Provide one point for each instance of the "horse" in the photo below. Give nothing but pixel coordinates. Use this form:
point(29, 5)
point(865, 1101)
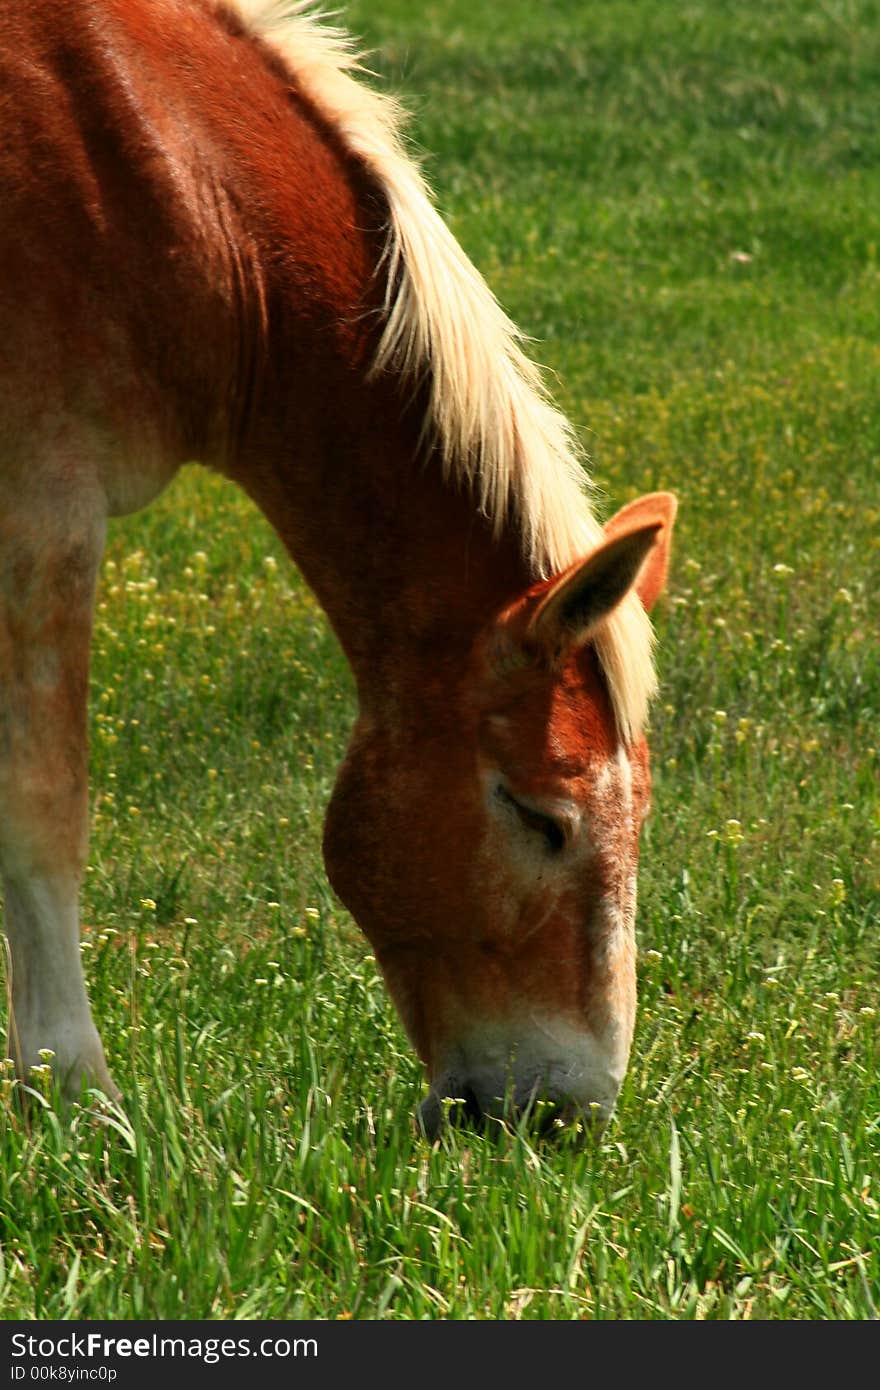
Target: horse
point(216, 246)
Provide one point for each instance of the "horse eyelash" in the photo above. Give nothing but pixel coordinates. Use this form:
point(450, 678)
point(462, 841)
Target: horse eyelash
point(546, 826)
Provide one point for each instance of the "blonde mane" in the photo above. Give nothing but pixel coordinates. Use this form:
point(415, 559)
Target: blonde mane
point(489, 412)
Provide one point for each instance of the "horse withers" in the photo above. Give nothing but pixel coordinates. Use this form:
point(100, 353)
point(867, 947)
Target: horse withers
point(214, 246)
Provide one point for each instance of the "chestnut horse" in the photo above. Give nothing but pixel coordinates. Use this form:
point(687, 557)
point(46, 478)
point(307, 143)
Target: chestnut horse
point(214, 246)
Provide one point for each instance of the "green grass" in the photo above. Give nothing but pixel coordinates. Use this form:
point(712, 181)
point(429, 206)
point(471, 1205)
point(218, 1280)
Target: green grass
point(682, 205)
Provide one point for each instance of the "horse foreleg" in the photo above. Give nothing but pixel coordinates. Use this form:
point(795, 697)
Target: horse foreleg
point(48, 571)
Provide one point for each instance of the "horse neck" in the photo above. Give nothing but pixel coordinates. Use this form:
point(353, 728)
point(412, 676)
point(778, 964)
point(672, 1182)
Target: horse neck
point(403, 563)
point(399, 559)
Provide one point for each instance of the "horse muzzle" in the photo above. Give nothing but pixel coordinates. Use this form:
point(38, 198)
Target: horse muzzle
point(535, 1109)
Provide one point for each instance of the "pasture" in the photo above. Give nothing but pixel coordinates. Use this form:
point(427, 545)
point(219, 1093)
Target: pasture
point(681, 206)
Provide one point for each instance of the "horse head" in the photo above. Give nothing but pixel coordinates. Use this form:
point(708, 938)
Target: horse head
point(486, 840)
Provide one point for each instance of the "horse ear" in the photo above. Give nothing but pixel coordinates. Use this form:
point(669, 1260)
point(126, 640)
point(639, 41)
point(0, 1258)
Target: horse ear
point(654, 506)
point(576, 602)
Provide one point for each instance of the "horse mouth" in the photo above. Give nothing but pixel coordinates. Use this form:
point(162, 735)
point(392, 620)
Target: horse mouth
point(540, 1117)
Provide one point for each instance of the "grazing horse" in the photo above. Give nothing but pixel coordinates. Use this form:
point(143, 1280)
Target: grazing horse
point(214, 246)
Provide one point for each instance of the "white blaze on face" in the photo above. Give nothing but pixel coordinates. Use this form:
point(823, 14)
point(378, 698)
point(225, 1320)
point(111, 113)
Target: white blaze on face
point(575, 1059)
point(612, 788)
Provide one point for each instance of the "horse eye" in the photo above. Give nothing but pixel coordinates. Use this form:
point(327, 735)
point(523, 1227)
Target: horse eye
point(535, 820)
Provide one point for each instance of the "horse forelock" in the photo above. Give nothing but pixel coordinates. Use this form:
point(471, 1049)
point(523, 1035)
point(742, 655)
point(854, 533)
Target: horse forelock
point(489, 416)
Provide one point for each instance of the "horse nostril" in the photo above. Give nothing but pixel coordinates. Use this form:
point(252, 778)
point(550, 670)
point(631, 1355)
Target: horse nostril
point(465, 1108)
point(429, 1117)
point(458, 1107)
